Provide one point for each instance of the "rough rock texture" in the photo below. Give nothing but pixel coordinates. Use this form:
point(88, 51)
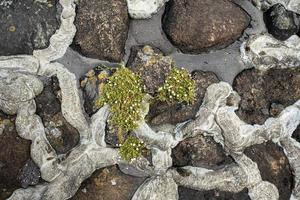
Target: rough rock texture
point(91, 84)
point(281, 23)
point(151, 66)
point(199, 151)
point(61, 135)
point(199, 25)
point(14, 152)
point(102, 27)
point(108, 184)
point(266, 94)
point(274, 167)
point(161, 113)
point(26, 25)
point(190, 194)
point(30, 174)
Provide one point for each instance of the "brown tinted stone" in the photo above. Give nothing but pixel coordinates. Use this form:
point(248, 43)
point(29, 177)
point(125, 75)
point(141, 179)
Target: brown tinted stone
point(199, 151)
point(274, 167)
point(151, 66)
point(161, 112)
point(108, 184)
point(266, 94)
point(102, 27)
point(14, 152)
point(199, 25)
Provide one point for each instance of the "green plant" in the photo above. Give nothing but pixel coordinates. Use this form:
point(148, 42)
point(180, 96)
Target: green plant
point(131, 149)
point(123, 93)
point(179, 87)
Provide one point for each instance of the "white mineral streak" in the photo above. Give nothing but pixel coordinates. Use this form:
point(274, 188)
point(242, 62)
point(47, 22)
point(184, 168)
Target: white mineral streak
point(292, 5)
point(239, 135)
point(143, 9)
point(63, 37)
point(161, 140)
point(292, 151)
point(264, 51)
point(20, 62)
point(157, 188)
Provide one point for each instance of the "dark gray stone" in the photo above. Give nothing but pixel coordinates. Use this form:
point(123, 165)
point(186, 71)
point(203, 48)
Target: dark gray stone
point(26, 25)
point(30, 174)
point(281, 23)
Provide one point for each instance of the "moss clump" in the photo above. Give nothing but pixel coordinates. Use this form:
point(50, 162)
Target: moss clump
point(131, 149)
point(179, 87)
point(123, 93)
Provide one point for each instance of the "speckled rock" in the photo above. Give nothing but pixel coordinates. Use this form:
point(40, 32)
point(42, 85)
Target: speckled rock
point(161, 113)
point(30, 174)
point(102, 27)
point(274, 167)
point(151, 66)
point(61, 135)
point(14, 152)
point(108, 184)
point(190, 194)
point(200, 151)
point(91, 84)
point(265, 94)
point(26, 25)
point(195, 26)
point(281, 23)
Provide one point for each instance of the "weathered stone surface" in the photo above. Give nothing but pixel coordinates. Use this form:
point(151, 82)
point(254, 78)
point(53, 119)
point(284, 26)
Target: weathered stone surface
point(30, 174)
point(151, 66)
point(281, 23)
point(102, 28)
point(14, 152)
point(26, 25)
point(108, 183)
point(61, 135)
point(274, 167)
point(265, 94)
point(195, 26)
point(190, 194)
point(161, 113)
point(91, 84)
point(199, 151)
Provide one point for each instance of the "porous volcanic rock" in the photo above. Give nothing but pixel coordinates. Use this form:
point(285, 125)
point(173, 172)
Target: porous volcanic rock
point(61, 135)
point(161, 112)
point(281, 23)
point(274, 167)
point(195, 26)
point(102, 27)
point(26, 25)
point(150, 64)
point(265, 94)
point(108, 184)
